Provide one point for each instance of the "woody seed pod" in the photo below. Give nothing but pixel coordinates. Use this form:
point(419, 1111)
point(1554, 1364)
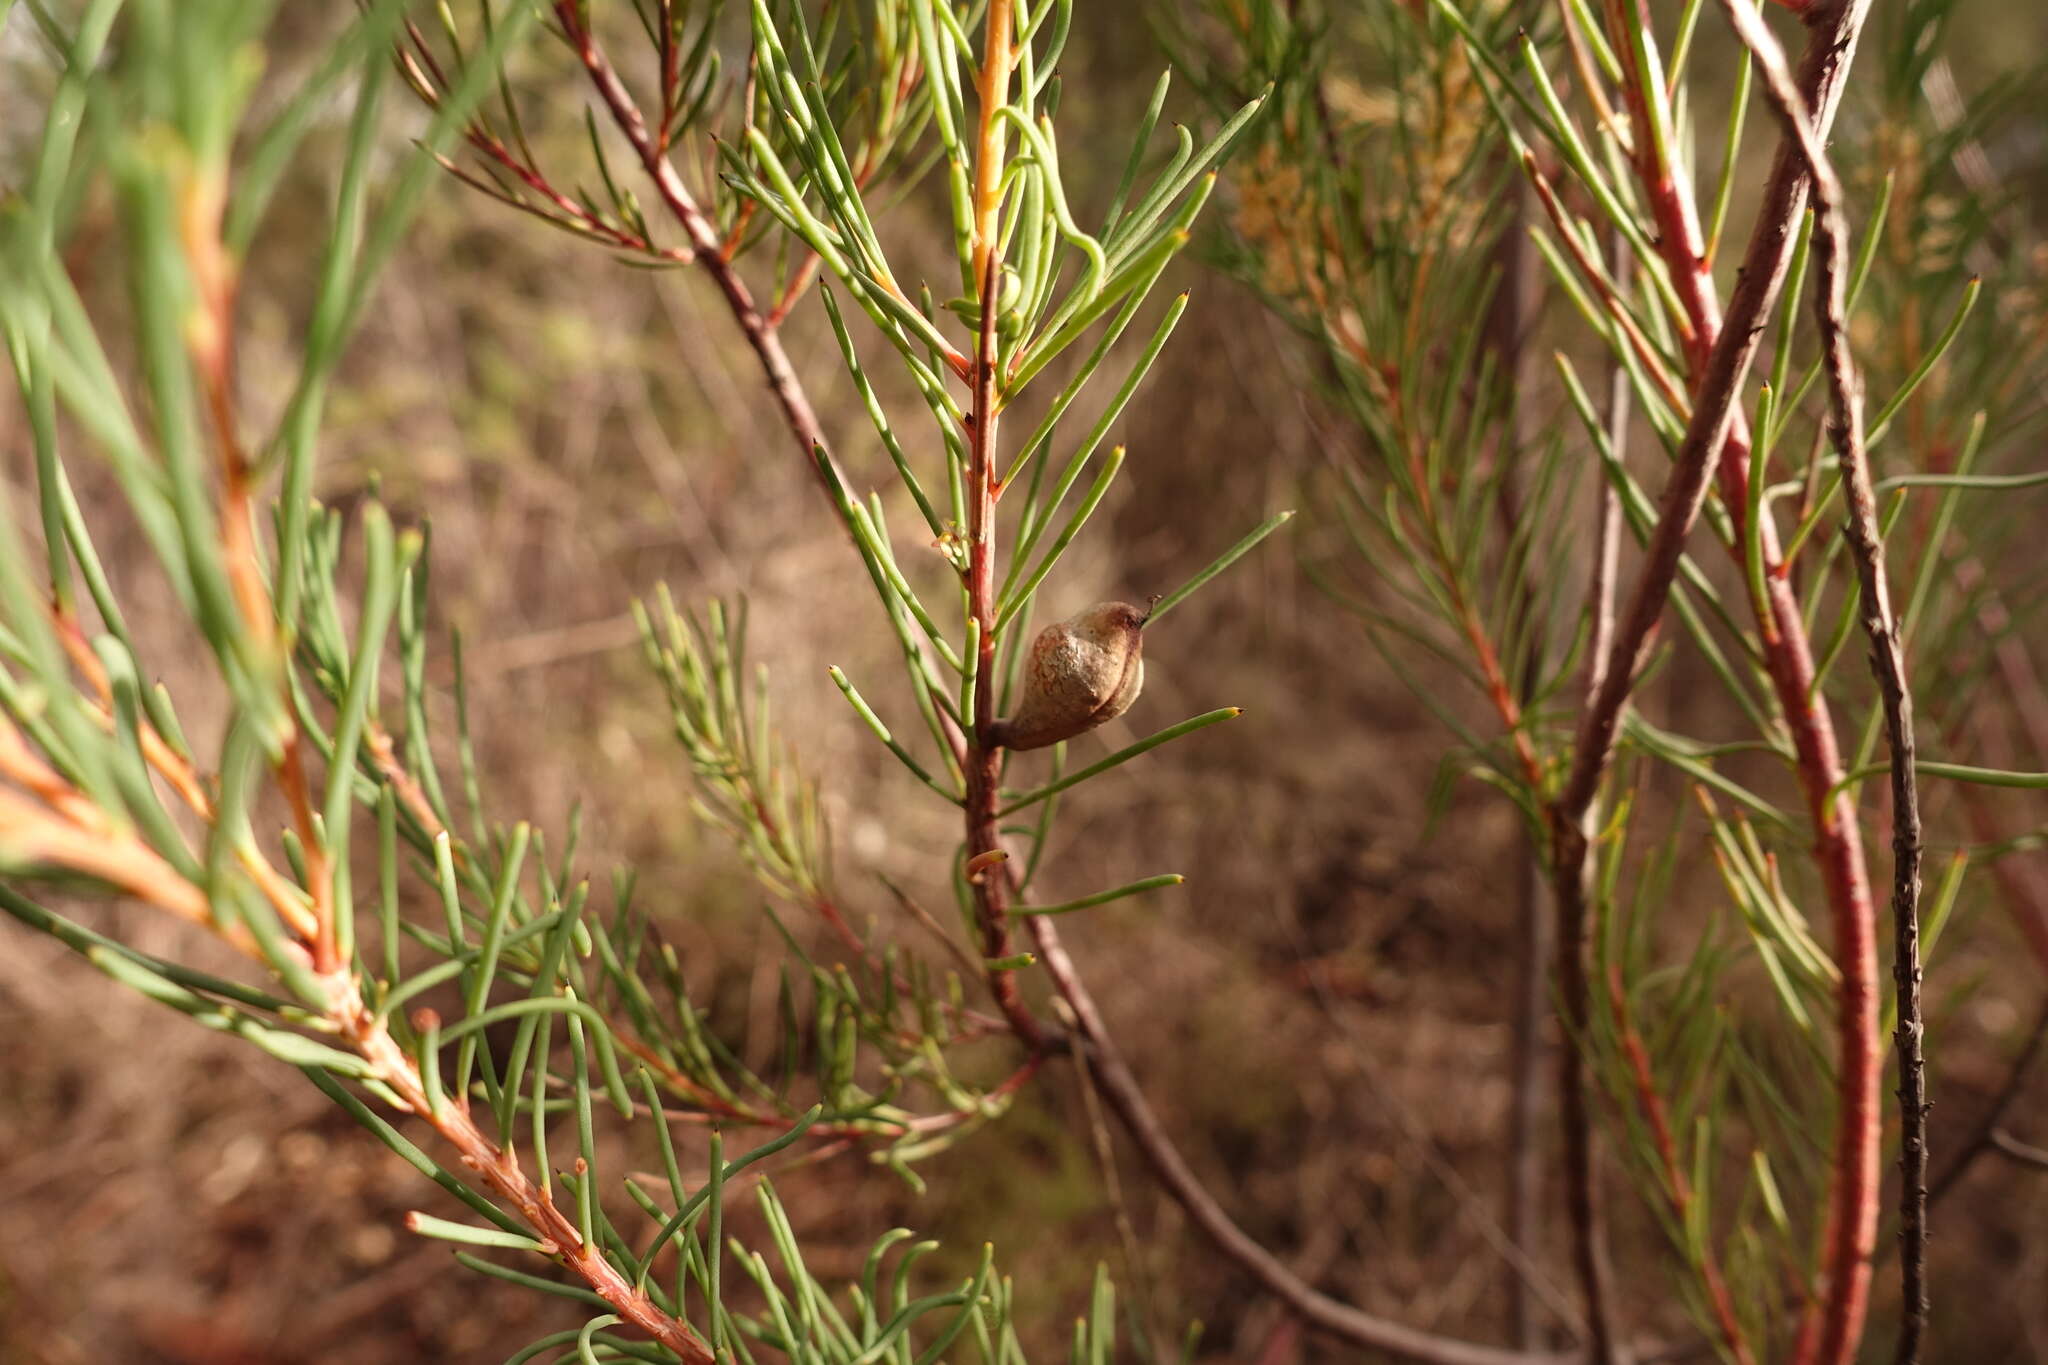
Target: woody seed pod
point(1079, 673)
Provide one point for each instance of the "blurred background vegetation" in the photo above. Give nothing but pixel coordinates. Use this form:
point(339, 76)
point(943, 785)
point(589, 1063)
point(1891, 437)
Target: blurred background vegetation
point(1324, 1012)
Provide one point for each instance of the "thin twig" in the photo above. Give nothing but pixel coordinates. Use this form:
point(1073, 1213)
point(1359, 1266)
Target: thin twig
point(761, 336)
point(1120, 1089)
point(1573, 945)
point(1982, 1139)
point(1716, 441)
point(1678, 1190)
point(2026, 1153)
point(1887, 661)
point(984, 767)
point(210, 339)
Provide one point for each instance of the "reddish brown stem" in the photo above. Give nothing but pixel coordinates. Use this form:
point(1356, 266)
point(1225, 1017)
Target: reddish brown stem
point(1678, 1190)
point(210, 340)
point(500, 1171)
point(1716, 443)
point(984, 766)
point(762, 337)
point(1888, 662)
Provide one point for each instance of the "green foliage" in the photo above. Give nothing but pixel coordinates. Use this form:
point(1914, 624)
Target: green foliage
point(406, 967)
point(1058, 284)
point(1413, 180)
point(1424, 186)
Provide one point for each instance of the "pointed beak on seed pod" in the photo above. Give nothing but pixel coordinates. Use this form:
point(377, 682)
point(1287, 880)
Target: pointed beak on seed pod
point(1081, 672)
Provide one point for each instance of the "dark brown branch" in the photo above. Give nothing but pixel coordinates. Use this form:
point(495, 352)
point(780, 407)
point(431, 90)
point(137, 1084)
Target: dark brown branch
point(1517, 307)
point(1887, 655)
point(1119, 1087)
point(2026, 1153)
point(1723, 349)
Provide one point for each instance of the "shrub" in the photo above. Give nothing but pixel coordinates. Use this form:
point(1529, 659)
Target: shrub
point(1412, 184)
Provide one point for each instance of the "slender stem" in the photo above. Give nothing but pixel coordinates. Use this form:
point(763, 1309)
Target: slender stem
point(761, 335)
point(1573, 936)
point(499, 1168)
point(984, 765)
point(1717, 442)
point(1678, 1190)
point(997, 59)
point(1114, 1080)
point(211, 342)
point(1887, 660)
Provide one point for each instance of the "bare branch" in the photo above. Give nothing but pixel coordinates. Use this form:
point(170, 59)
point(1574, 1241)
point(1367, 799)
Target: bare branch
point(761, 335)
point(1119, 1087)
point(1723, 348)
point(1887, 661)
point(2026, 1153)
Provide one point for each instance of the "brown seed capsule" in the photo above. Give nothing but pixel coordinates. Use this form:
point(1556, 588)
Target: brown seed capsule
point(1079, 673)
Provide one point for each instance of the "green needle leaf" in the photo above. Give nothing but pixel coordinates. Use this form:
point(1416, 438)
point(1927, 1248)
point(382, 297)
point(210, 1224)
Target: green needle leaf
point(1223, 561)
point(1102, 897)
point(1122, 756)
point(426, 1225)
